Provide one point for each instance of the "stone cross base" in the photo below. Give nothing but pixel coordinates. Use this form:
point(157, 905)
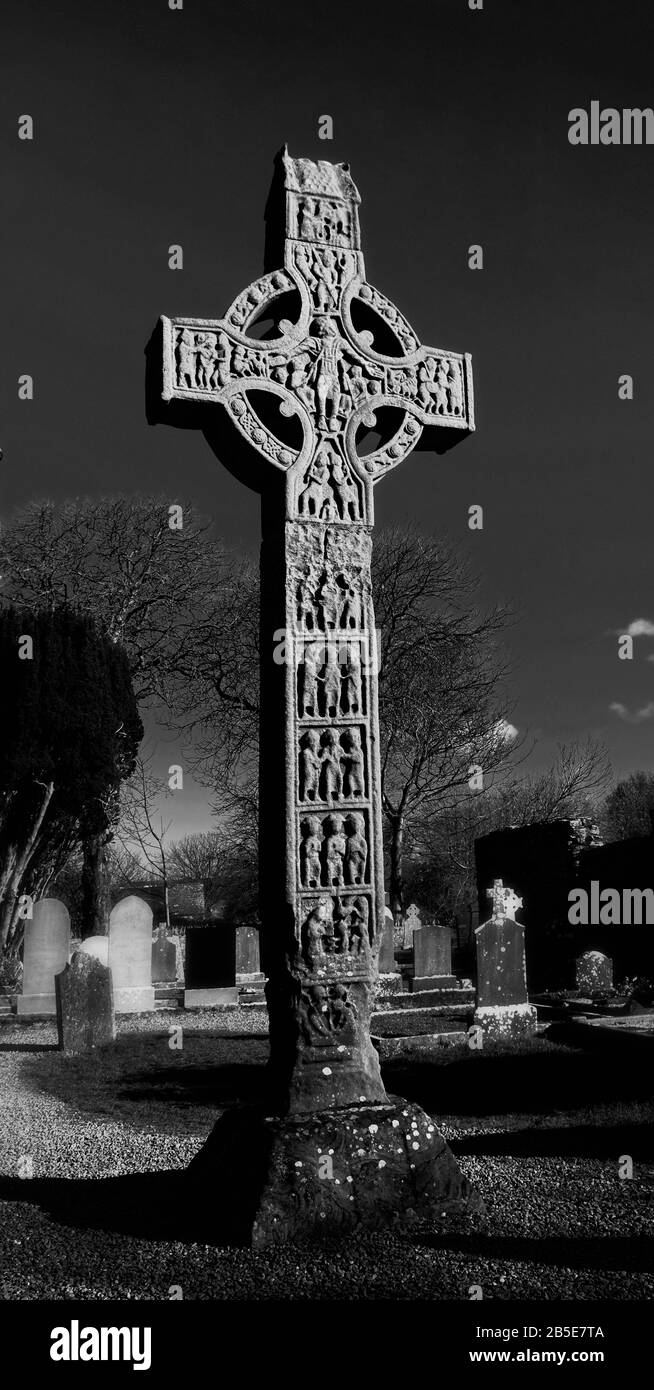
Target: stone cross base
point(502, 1022)
point(136, 1000)
point(222, 997)
point(36, 1005)
point(313, 1177)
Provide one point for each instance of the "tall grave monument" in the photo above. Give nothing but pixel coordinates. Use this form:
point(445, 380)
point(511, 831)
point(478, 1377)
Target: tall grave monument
point(288, 386)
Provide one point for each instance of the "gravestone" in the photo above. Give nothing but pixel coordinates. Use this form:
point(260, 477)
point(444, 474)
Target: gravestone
point(85, 1004)
point(210, 971)
point(594, 973)
point(45, 953)
point(387, 964)
point(503, 1008)
point(432, 957)
point(96, 946)
point(247, 953)
point(130, 956)
point(164, 958)
point(295, 406)
point(411, 923)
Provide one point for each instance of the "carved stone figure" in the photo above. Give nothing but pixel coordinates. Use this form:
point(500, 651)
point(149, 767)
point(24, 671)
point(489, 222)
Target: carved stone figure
point(328, 386)
point(356, 854)
point(331, 771)
point(310, 765)
point(314, 933)
point(335, 852)
point(358, 928)
point(186, 359)
point(307, 607)
point(362, 912)
point(312, 662)
point(351, 609)
point(354, 776)
point(341, 920)
point(346, 492)
point(341, 1010)
point(331, 681)
point(317, 482)
point(352, 680)
point(310, 851)
point(314, 1010)
point(329, 598)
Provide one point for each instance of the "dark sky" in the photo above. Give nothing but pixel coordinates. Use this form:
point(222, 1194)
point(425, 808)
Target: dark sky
point(155, 126)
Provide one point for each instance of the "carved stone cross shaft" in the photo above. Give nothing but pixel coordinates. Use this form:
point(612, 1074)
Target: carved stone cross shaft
point(305, 401)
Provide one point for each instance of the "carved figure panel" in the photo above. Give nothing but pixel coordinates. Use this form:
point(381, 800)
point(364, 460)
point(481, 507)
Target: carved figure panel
point(330, 677)
point(335, 932)
point(325, 1011)
point(324, 220)
point(332, 765)
point(328, 491)
point(334, 850)
point(326, 272)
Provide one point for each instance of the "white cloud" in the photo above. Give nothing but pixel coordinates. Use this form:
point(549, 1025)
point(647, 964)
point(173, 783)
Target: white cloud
point(639, 716)
point(640, 627)
point(505, 731)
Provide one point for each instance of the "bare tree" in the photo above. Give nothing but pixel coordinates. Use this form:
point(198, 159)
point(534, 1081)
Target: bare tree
point(441, 704)
point(142, 833)
point(148, 584)
point(441, 681)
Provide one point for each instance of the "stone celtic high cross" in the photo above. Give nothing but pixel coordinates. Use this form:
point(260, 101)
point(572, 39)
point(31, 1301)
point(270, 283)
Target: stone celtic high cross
point(326, 388)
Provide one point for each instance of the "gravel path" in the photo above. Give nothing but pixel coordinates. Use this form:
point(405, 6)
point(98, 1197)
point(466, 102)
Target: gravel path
point(560, 1222)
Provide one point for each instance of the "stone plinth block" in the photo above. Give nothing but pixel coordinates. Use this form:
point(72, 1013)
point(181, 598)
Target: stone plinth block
point(422, 982)
point(211, 998)
point(85, 1005)
point(400, 1022)
point(330, 1173)
point(507, 1023)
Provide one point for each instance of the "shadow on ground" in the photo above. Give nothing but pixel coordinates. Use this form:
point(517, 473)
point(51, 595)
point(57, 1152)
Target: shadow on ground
point(564, 1141)
point(536, 1083)
point(620, 1253)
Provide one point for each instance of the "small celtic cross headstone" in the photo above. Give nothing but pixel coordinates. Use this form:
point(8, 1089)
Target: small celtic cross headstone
point(505, 902)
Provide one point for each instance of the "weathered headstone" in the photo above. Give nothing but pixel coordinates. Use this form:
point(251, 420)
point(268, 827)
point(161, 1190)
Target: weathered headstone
point(164, 958)
point(210, 965)
point(96, 946)
point(411, 923)
point(247, 953)
point(130, 956)
point(296, 407)
point(594, 973)
point(503, 1008)
point(432, 956)
point(386, 965)
point(45, 953)
point(85, 1004)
